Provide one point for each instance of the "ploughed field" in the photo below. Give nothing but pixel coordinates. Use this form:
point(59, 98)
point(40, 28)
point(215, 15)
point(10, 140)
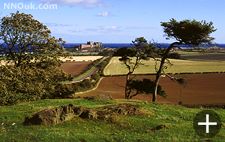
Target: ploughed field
point(204, 77)
point(199, 89)
point(75, 67)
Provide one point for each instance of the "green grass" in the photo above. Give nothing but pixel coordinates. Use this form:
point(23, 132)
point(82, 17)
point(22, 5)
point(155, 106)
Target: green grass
point(127, 128)
point(199, 53)
point(116, 67)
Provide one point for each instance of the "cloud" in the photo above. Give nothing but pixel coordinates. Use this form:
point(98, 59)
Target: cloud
point(88, 3)
point(103, 14)
point(99, 30)
point(104, 29)
point(58, 25)
point(141, 28)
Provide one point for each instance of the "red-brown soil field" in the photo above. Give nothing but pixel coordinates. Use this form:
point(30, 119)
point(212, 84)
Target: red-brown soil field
point(74, 68)
point(200, 89)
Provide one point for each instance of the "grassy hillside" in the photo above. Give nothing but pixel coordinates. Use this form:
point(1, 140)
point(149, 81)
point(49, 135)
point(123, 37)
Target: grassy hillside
point(177, 119)
point(115, 67)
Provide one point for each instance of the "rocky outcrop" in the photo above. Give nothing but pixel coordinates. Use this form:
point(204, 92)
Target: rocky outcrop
point(65, 113)
point(53, 116)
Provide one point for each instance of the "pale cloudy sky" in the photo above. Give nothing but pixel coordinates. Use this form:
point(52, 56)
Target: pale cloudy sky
point(119, 21)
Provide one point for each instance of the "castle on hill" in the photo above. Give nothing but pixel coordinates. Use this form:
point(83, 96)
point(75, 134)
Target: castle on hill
point(90, 46)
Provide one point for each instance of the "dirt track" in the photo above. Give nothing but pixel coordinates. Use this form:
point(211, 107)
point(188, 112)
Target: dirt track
point(200, 89)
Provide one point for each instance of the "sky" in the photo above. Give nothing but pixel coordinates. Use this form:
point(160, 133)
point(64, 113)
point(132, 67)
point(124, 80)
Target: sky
point(117, 21)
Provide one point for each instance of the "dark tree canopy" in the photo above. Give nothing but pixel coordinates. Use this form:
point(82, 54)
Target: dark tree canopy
point(125, 52)
point(133, 56)
point(26, 39)
point(142, 50)
point(189, 31)
point(145, 86)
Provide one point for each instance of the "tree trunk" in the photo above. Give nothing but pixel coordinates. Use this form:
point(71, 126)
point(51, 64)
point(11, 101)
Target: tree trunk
point(158, 74)
point(126, 86)
point(154, 97)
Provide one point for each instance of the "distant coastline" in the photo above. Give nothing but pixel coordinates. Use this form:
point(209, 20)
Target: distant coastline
point(105, 45)
point(120, 45)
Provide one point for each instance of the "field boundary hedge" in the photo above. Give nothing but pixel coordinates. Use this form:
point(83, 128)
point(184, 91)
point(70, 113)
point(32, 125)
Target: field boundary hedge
point(169, 73)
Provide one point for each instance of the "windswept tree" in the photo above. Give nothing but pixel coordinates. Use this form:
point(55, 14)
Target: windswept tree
point(132, 59)
point(189, 32)
point(27, 40)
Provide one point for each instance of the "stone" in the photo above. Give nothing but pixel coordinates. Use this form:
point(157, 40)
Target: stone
point(51, 116)
point(88, 114)
point(68, 112)
point(45, 117)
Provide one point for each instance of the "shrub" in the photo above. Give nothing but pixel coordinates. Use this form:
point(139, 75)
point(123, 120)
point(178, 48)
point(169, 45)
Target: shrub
point(96, 76)
point(85, 84)
point(64, 90)
point(27, 84)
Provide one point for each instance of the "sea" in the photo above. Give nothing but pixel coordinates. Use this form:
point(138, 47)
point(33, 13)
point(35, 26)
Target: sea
point(121, 45)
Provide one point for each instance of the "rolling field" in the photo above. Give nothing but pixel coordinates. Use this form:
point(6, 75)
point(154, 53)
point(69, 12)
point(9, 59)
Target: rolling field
point(74, 68)
point(80, 58)
point(214, 55)
point(115, 67)
point(81, 70)
point(199, 89)
point(177, 122)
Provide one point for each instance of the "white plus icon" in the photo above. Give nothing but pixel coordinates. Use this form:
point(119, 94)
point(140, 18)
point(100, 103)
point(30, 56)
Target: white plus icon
point(207, 123)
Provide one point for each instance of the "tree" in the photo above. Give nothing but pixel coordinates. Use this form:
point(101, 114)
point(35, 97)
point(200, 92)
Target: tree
point(27, 40)
point(190, 32)
point(132, 57)
point(33, 52)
